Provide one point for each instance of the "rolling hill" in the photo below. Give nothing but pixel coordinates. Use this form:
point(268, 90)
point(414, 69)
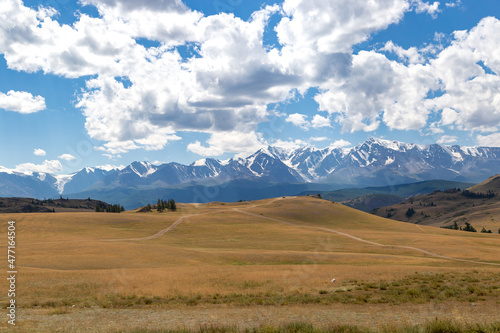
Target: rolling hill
point(444, 208)
point(370, 198)
point(29, 205)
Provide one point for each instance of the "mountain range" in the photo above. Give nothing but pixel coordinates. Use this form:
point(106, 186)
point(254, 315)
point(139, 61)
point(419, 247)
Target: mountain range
point(375, 162)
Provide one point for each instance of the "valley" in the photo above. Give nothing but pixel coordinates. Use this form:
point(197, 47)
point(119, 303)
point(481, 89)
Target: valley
point(478, 205)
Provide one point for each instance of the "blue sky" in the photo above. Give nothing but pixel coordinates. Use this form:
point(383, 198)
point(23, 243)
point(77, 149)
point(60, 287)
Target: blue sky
point(97, 82)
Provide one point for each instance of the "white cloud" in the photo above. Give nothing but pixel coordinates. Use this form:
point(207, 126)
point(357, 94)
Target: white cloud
point(492, 140)
point(139, 98)
point(47, 166)
point(412, 55)
point(444, 139)
point(320, 121)
point(452, 4)
point(117, 147)
point(379, 88)
point(468, 70)
point(290, 144)
point(39, 152)
point(299, 120)
point(318, 138)
point(434, 129)
point(67, 157)
point(341, 143)
point(426, 7)
point(232, 142)
point(329, 26)
point(21, 101)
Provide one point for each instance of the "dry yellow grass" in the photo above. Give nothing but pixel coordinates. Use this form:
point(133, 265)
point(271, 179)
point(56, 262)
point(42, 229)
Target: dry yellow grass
point(219, 257)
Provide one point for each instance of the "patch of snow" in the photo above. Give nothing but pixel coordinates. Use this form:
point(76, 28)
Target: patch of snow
point(61, 181)
point(89, 170)
point(42, 176)
point(456, 156)
point(250, 161)
point(365, 156)
point(150, 169)
point(109, 167)
point(389, 160)
point(202, 162)
point(472, 151)
point(355, 159)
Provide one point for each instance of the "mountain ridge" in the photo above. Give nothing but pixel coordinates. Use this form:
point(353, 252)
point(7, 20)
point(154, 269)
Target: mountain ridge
point(375, 162)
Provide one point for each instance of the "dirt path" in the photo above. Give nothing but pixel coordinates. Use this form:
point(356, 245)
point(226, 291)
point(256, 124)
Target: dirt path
point(176, 223)
point(370, 242)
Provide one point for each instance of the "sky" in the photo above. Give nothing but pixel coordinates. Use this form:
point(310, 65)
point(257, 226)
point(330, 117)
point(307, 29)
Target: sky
point(109, 82)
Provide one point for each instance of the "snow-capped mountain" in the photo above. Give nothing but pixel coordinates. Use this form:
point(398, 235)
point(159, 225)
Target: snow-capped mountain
point(372, 163)
point(382, 162)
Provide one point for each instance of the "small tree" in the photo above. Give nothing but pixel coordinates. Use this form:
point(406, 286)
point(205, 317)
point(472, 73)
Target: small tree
point(469, 228)
point(410, 212)
point(172, 205)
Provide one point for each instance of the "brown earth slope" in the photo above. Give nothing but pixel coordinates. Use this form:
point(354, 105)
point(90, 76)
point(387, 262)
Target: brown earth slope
point(29, 205)
point(444, 208)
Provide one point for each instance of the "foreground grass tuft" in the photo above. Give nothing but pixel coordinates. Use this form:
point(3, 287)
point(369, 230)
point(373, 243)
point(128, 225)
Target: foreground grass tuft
point(434, 326)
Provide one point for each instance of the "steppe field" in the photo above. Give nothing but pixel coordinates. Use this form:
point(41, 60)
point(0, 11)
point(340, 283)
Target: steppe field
point(250, 266)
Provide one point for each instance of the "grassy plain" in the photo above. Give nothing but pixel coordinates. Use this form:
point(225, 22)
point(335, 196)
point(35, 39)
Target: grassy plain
point(248, 265)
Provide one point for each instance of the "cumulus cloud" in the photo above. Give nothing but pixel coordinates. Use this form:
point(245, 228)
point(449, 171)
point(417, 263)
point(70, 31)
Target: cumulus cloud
point(330, 26)
point(491, 140)
point(290, 144)
point(426, 7)
point(39, 152)
point(232, 142)
point(320, 121)
point(447, 139)
point(299, 120)
point(47, 166)
point(139, 97)
point(67, 157)
point(411, 55)
point(379, 89)
point(341, 143)
point(21, 101)
point(468, 70)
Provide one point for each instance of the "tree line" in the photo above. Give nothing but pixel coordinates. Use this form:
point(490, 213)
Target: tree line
point(160, 206)
point(468, 227)
point(105, 208)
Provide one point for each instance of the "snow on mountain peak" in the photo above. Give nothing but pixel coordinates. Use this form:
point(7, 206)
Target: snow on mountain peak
point(142, 169)
point(109, 167)
point(201, 162)
point(62, 180)
point(89, 170)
